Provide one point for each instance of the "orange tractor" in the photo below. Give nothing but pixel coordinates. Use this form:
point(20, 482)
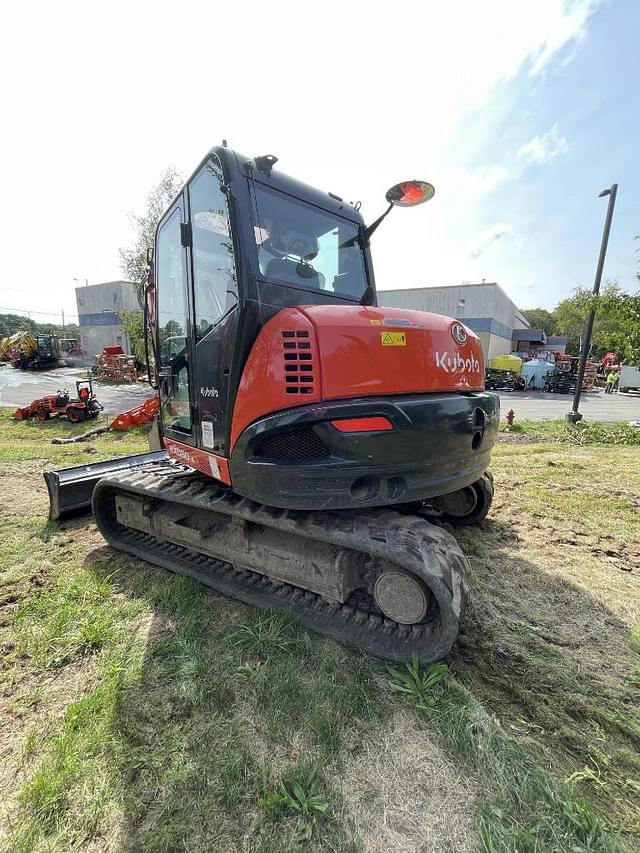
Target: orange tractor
point(77, 409)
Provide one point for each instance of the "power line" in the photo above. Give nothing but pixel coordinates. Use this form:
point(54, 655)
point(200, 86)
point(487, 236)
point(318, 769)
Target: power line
point(33, 311)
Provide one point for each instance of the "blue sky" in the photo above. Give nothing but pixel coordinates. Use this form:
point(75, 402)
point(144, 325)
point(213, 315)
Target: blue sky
point(585, 109)
point(518, 112)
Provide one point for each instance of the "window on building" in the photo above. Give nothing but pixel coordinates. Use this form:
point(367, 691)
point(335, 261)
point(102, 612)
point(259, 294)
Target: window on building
point(460, 307)
point(80, 300)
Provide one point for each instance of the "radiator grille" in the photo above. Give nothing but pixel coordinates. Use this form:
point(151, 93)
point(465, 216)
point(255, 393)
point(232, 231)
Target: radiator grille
point(299, 374)
point(296, 445)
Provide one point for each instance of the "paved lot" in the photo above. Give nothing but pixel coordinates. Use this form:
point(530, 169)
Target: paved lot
point(20, 387)
point(595, 406)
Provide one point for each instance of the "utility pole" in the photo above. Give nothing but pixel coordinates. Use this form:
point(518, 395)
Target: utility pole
point(574, 415)
point(63, 322)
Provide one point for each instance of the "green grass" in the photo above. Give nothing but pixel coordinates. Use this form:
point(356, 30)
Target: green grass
point(524, 808)
point(24, 441)
point(157, 716)
point(581, 434)
point(178, 741)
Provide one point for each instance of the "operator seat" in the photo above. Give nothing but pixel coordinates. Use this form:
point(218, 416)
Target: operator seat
point(294, 272)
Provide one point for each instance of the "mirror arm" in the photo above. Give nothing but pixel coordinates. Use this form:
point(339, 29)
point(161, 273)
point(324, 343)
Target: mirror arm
point(368, 231)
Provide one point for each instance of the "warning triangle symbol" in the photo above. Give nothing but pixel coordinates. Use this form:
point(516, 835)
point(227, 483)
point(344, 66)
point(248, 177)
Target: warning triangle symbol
point(387, 339)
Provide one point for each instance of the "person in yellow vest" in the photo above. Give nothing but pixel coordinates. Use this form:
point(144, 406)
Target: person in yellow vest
point(612, 382)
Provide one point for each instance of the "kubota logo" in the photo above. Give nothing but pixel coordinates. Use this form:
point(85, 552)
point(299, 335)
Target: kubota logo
point(456, 363)
point(182, 454)
point(459, 333)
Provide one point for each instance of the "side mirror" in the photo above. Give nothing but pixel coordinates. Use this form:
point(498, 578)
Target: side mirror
point(150, 255)
point(410, 193)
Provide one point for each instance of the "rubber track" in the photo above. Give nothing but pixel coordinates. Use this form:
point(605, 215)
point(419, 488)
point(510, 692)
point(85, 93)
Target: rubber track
point(407, 541)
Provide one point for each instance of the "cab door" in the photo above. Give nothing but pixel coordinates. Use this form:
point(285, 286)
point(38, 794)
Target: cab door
point(174, 328)
point(215, 297)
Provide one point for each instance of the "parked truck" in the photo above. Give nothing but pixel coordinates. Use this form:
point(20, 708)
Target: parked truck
point(629, 378)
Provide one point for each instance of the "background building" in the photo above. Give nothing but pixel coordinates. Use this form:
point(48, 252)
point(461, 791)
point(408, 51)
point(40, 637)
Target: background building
point(485, 308)
point(98, 307)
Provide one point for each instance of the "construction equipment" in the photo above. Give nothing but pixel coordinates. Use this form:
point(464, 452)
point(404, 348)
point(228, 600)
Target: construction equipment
point(75, 409)
point(138, 416)
point(114, 365)
point(26, 351)
point(311, 437)
point(499, 379)
point(71, 352)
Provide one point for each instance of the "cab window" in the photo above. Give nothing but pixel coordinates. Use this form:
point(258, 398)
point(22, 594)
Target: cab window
point(214, 273)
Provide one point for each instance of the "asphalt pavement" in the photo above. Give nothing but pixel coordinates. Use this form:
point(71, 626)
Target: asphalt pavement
point(20, 387)
point(594, 405)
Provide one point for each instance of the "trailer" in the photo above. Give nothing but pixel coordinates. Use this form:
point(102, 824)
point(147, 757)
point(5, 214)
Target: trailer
point(629, 378)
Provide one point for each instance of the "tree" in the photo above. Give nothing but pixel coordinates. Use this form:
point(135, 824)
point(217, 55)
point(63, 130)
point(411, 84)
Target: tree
point(540, 318)
point(12, 323)
point(615, 326)
point(133, 258)
point(133, 327)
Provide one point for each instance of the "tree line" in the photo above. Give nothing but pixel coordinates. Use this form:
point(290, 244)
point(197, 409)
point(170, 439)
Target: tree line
point(616, 327)
point(12, 323)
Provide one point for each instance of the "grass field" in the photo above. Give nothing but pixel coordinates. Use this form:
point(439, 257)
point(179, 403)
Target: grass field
point(138, 711)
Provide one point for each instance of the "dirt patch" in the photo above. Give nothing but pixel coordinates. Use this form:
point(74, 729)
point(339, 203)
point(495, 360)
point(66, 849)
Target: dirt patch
point(404, 794)
point(519, 438)
point(24, 483)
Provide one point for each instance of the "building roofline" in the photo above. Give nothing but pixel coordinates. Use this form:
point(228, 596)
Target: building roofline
point(439, 286)
point(102, 283)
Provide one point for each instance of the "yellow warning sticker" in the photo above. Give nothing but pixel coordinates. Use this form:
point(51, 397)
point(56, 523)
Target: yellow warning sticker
point(393, 339)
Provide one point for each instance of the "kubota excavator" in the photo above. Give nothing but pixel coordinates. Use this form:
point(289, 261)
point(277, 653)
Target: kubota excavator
point(310, 436)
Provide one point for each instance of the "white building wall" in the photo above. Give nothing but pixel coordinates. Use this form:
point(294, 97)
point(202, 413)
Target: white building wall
point(98, 314)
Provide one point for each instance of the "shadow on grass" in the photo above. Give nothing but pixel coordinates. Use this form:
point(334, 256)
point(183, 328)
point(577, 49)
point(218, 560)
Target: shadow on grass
point(197, 721)
point(556, 667)
point(223, 704)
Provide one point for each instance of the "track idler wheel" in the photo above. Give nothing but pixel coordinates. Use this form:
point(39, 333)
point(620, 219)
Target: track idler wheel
point(466, 506)
point(402, 597)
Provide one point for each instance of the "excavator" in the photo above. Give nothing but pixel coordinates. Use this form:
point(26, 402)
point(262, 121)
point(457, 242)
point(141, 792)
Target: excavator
point(313, 442)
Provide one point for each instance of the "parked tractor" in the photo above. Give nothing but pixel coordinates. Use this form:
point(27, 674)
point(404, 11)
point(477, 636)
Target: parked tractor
point(76, 409)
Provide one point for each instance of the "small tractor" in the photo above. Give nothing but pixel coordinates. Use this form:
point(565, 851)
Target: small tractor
point(77, 409)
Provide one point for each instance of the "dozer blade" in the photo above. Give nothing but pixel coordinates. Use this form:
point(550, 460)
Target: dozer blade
point(71, 489)
point(388, 583)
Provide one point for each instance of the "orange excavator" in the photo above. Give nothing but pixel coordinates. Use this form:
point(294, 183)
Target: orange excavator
point(313, 442)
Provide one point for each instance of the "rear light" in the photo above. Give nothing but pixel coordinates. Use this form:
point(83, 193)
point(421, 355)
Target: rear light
point(363, 425)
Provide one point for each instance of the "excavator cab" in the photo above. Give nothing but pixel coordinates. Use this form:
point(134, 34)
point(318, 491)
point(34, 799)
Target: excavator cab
point(237, 245)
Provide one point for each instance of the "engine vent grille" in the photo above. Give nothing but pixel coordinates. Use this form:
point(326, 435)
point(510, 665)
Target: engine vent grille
point(295, 446)
point(299, 375)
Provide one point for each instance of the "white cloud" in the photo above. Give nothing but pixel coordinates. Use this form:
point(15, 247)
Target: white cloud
point(570, 28)
point(113, 123)
point(543, 147)
point(487, 237)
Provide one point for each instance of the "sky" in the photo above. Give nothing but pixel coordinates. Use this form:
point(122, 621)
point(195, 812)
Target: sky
point(519, 113)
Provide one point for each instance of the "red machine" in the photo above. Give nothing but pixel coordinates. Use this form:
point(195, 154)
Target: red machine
point(311, 435)
point(137, 416)
point(114, 365)
point(77, 409)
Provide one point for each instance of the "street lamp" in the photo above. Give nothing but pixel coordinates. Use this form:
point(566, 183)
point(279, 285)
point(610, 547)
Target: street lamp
point(574, 415)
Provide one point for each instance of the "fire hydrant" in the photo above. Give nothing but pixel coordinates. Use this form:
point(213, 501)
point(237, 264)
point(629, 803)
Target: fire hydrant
point(510, 416)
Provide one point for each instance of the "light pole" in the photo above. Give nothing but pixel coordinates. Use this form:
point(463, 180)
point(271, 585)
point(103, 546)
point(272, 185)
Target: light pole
point(574, 415)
